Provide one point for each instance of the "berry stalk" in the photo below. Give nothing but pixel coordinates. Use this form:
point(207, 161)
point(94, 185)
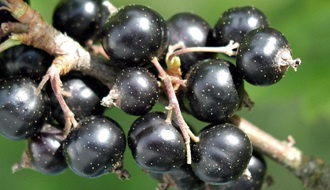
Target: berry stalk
point(227, 50)
point(174, 104)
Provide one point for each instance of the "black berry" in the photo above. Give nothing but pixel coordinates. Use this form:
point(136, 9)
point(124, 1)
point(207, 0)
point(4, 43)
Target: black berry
point(95, 147)
point(185, 179)
point(134, 35)
point(257, 168)
point(264, 56)
point(24, 61)
point(214, 90)
point(236, 22)
point(22, 111)
point(181, 179)
point(135, 91)
point(222, 155)
point(80, 19)
point(156, 145)
point(46, 152)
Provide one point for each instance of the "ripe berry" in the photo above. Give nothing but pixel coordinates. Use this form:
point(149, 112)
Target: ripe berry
point(45, 151)
point(135, 91)
point(80, 19)
point(95, 147)
point(236, 22)
point(134, 35)
point(86, 94)
point(257, 168)
point(22, 112)
point(24, 61)
point(264, 56)
point(222, 155)
point(214, 90)
point(193, 31)
point(185, 179)
point(181, 179)
point(156, 145)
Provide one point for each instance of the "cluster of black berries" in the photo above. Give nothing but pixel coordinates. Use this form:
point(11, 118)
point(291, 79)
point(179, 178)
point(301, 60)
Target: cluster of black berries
point(212, 91)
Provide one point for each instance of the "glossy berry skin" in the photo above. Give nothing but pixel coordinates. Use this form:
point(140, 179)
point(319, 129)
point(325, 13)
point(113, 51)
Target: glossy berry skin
point(193, 31)
point(22, 112)
point(222, 155)
point(137, 90)
point(214, 90)
point(95, 147)
point(236, 22)
point(181, 179)
point(156, 145)
point(80, 19)
point(259, 56)
point(257, 167)
point(86, 94)
point(24, 61)
point(134, 35)
point(185, 179)
point(46, 152)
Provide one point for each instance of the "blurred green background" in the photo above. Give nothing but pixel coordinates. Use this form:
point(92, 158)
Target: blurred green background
point(299, 105)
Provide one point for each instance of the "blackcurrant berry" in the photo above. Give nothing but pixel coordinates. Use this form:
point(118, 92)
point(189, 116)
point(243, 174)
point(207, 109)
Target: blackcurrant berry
point(134, 35)
point(214, 90)
point(222, 155)
point(80, 19)
point(22, 111)
point(95, 147)
point(185, 179)
point(181, 179)
point(46, 152)
point(156, 145)
point(193, 31)
point(257, 168)
point(236, 22)
point(24, 61)
point(86, 94)
point(135, 91)
point(264, 56)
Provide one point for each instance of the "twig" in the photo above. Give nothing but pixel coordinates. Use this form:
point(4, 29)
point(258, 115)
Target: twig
point(313, 172)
